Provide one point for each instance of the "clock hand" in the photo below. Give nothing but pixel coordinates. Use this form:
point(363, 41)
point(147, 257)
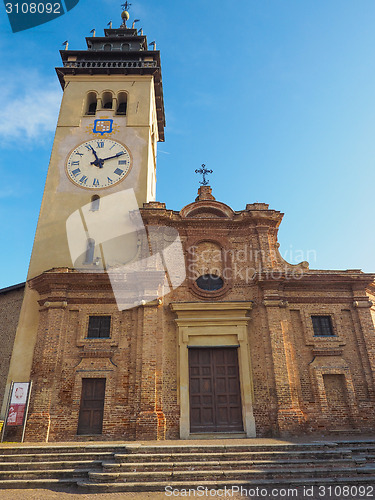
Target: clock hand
point(98, 162)
point(109, 157)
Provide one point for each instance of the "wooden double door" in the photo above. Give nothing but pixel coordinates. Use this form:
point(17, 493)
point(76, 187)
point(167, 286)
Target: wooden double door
point(214, 390)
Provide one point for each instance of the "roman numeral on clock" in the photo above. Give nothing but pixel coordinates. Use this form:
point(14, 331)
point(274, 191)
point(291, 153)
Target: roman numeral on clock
point(118, 171)
point(83, 179)
point(95, 182)
point(76, 172)
point(75, 162)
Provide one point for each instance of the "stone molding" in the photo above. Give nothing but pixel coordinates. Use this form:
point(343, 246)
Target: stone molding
point(214, 324)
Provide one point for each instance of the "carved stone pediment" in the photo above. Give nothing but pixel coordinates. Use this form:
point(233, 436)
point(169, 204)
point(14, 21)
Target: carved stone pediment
point(207, 210)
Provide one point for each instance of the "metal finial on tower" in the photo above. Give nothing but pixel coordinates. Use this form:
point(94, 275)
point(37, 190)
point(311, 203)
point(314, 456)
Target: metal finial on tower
point(125, 14)
point(204, 171)
point(110, 25)
point(135, 21)
point(66, 44)
point(140, 31)
point(93, 31)
point(153, 45)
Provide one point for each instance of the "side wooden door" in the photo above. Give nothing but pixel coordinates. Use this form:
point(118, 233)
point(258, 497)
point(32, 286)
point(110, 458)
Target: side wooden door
point(92, 406)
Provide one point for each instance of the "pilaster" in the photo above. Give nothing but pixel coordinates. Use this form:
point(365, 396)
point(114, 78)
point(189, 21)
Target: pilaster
point(150, 422)
point(290, 415)
point(46, 359)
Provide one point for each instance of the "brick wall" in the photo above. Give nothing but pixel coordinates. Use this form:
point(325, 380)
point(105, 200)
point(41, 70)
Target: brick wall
point(10, 307)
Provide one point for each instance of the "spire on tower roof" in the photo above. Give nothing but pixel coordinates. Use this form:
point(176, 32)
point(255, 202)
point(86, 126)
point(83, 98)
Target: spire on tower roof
point(125, 14)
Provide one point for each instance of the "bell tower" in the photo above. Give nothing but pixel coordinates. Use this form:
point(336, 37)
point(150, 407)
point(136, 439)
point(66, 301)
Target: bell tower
point(111, 118)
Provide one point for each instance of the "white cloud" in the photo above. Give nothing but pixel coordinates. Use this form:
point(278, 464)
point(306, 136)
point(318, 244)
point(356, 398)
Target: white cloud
point(30, 107)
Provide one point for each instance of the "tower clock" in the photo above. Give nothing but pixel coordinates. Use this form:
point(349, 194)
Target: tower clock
point(98, 164)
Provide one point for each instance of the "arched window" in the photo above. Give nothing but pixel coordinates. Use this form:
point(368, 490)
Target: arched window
point(95, 203)
point(107, 46)
point(91, 104)
point(122, 103)
point(107, 100)
point(209, 282)
point(90, 251)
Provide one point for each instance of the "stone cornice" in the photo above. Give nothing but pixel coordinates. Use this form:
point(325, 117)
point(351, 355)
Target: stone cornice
point(65, 279)
point(211, 306)
point(211, 313)
point(271, 278)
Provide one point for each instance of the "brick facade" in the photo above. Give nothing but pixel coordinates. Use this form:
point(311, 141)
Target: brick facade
point(10, 307)
point(300, 382)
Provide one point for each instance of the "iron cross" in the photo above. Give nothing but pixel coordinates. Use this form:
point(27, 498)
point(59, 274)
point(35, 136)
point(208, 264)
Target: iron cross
point(203, 170)
point(126, 5)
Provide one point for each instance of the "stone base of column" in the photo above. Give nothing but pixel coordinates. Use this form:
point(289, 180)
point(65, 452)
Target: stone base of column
point(37, 427)
point(291, 421)
point(161, 425)
point(147, 426)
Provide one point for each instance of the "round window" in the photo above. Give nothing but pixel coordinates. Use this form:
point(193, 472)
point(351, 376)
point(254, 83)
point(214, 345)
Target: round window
point(210, 282)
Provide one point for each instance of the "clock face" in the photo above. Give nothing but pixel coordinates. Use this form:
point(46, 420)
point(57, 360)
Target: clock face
point(98, 164)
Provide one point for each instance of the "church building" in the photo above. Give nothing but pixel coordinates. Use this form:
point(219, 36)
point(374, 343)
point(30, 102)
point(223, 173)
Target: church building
point(140, 322)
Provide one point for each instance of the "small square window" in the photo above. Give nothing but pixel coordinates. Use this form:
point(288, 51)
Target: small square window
point(322, 326)
point(99, 327)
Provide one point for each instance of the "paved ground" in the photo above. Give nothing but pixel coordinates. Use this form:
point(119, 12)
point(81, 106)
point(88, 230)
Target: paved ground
point(72, 494)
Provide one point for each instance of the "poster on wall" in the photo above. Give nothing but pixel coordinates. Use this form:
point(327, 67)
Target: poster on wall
point(16, 414)
point(17, 404)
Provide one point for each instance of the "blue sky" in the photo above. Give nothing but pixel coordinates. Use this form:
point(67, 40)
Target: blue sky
point(276, 96)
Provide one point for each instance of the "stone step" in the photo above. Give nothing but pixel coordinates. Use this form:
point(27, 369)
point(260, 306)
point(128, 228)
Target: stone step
point(242, 455)
point(36, 483)
point(219, 484)
point(368, 446)
point(69, 449)
point(287, 448)
point(23, 466)
point(230, 474)
point(226, 464)
point(131, 465)
point(224, 448)
point(44, 457)
point(45, 474)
